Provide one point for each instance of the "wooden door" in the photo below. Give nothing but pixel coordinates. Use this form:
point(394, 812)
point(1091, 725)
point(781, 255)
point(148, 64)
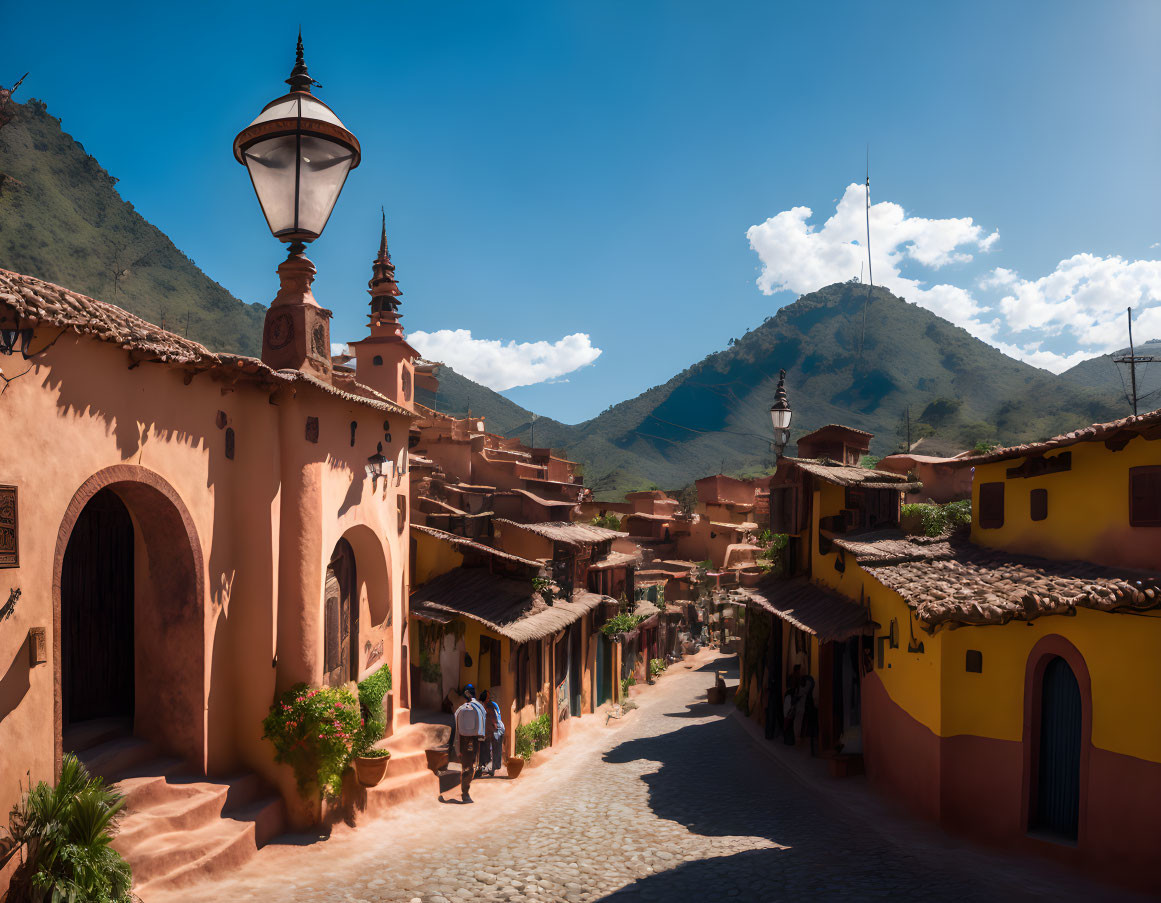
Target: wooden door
point(340, 617)
point(97, 649)
point(1057, 809)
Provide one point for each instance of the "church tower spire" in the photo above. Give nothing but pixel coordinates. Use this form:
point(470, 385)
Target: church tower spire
point(384, 290)
point(383, 360)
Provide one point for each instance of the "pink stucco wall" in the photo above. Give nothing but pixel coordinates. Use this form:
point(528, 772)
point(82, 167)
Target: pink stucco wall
point(253, 536)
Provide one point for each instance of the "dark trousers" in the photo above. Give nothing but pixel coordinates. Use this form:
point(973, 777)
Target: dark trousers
point(469, 753)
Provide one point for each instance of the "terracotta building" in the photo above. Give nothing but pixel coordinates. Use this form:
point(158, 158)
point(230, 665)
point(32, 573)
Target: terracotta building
point(184, 534)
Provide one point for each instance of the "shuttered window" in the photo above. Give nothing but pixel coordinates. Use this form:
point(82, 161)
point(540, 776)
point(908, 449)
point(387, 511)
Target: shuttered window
point(1145, 496)
point(991, 506)
point(1039, 504)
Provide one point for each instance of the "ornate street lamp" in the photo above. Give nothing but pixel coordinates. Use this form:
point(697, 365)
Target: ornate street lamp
point(780, 416)
point(298, 154)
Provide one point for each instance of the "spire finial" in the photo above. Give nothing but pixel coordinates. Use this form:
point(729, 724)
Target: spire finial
point(300, 79)
point(384, 289)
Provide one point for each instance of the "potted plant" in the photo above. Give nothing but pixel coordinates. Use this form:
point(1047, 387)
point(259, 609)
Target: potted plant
point(530, 739)
point(313, 731)
point(370, 763)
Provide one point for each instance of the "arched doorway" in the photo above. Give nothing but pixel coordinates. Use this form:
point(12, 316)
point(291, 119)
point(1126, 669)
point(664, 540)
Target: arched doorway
point(1056, 805)
point(341, 617)
point(129, 603)
point(97, 679)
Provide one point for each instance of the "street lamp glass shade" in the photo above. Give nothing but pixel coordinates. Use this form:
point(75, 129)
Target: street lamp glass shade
point(780, 418)
point(298, 155)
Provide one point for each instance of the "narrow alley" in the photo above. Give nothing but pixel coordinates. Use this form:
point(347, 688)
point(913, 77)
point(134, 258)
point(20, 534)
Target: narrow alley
point(677, 801)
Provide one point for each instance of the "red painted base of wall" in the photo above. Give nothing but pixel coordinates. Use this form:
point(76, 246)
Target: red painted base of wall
point(975, 786)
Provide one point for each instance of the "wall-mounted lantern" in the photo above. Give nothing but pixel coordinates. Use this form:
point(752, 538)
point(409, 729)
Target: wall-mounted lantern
point(376, 463)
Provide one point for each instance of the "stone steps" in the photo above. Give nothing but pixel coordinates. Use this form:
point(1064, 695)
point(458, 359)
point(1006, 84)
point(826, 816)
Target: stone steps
point(178, 827)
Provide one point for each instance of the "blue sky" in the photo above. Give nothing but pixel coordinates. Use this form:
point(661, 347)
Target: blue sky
point(550, 169)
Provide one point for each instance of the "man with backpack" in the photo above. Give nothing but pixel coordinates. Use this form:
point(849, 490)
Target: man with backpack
point(470, 722)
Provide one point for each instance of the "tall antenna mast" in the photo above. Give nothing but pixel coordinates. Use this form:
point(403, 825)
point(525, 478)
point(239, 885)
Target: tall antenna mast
point(870, 274)
point(1132, 360)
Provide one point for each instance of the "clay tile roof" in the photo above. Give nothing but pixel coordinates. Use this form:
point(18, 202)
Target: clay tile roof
point(563, 531)
point(464, 542)
point(1150, 422)
point(964, 583)
point(839, 428)
point(508, 607)
point(42, 303)
point(848, 475)
point(809, 607)
point(893, 546)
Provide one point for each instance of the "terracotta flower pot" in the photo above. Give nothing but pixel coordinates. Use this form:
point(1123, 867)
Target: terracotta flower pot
point(437, 759)
point(370, 770)
point(515, 766)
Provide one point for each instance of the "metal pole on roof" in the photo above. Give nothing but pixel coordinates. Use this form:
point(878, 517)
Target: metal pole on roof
point(870, 273)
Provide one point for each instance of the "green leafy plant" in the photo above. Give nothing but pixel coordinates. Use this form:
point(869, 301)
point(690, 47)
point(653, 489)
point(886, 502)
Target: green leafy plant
point(656, 666)
point(543, 586)
point(65, 832)
point(620, 623)
point(983, 447)
point(627, 682)
point(533, 736)
point(372, 689)
point(608, 521)
point(314, 731)
point(935, 519)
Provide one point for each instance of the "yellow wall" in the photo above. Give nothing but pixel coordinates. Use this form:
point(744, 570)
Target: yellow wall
point(1088, 508)
point(433, 558)
point(935, 688)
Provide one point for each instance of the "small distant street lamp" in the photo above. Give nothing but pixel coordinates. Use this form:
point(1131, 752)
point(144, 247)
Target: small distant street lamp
point(780, 416)
point(298, 155)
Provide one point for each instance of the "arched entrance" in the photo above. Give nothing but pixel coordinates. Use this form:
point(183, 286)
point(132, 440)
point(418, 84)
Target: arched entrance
point(97, 615)
point(1056, 808)
point(341, 617)
point(129, 625)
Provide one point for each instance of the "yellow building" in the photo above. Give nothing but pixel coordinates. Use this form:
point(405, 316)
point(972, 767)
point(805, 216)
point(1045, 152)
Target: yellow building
point(1012, 696)
point(486, 617)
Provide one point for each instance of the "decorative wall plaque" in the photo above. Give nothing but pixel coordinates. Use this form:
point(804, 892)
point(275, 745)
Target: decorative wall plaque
point(279, 331)
point(9, 528)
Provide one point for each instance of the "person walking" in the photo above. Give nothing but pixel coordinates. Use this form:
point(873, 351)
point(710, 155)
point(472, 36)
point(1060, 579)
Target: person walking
point(493, 736)
point(470, 720)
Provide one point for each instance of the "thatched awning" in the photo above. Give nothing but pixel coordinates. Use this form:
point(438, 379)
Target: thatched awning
point(811, 608)
point(565, 531)
point(504, 605)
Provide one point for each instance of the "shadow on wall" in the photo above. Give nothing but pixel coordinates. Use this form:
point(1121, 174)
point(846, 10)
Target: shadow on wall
point(713, 782)
point(14, 684)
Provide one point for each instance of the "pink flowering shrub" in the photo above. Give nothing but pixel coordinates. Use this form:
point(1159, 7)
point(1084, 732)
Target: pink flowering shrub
point(313, 730)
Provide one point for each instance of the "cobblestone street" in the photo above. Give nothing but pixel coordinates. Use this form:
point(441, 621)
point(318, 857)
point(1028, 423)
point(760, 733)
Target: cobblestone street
point(676, 802)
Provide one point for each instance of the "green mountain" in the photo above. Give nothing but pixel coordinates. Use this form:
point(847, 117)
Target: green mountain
point(1104, 375)
point(458, 395)
point(62, 220)
point(714, 416)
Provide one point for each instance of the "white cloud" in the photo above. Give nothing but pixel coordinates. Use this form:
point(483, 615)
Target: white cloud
point(501, 365)
point(798, 256)
point(1078, 309)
